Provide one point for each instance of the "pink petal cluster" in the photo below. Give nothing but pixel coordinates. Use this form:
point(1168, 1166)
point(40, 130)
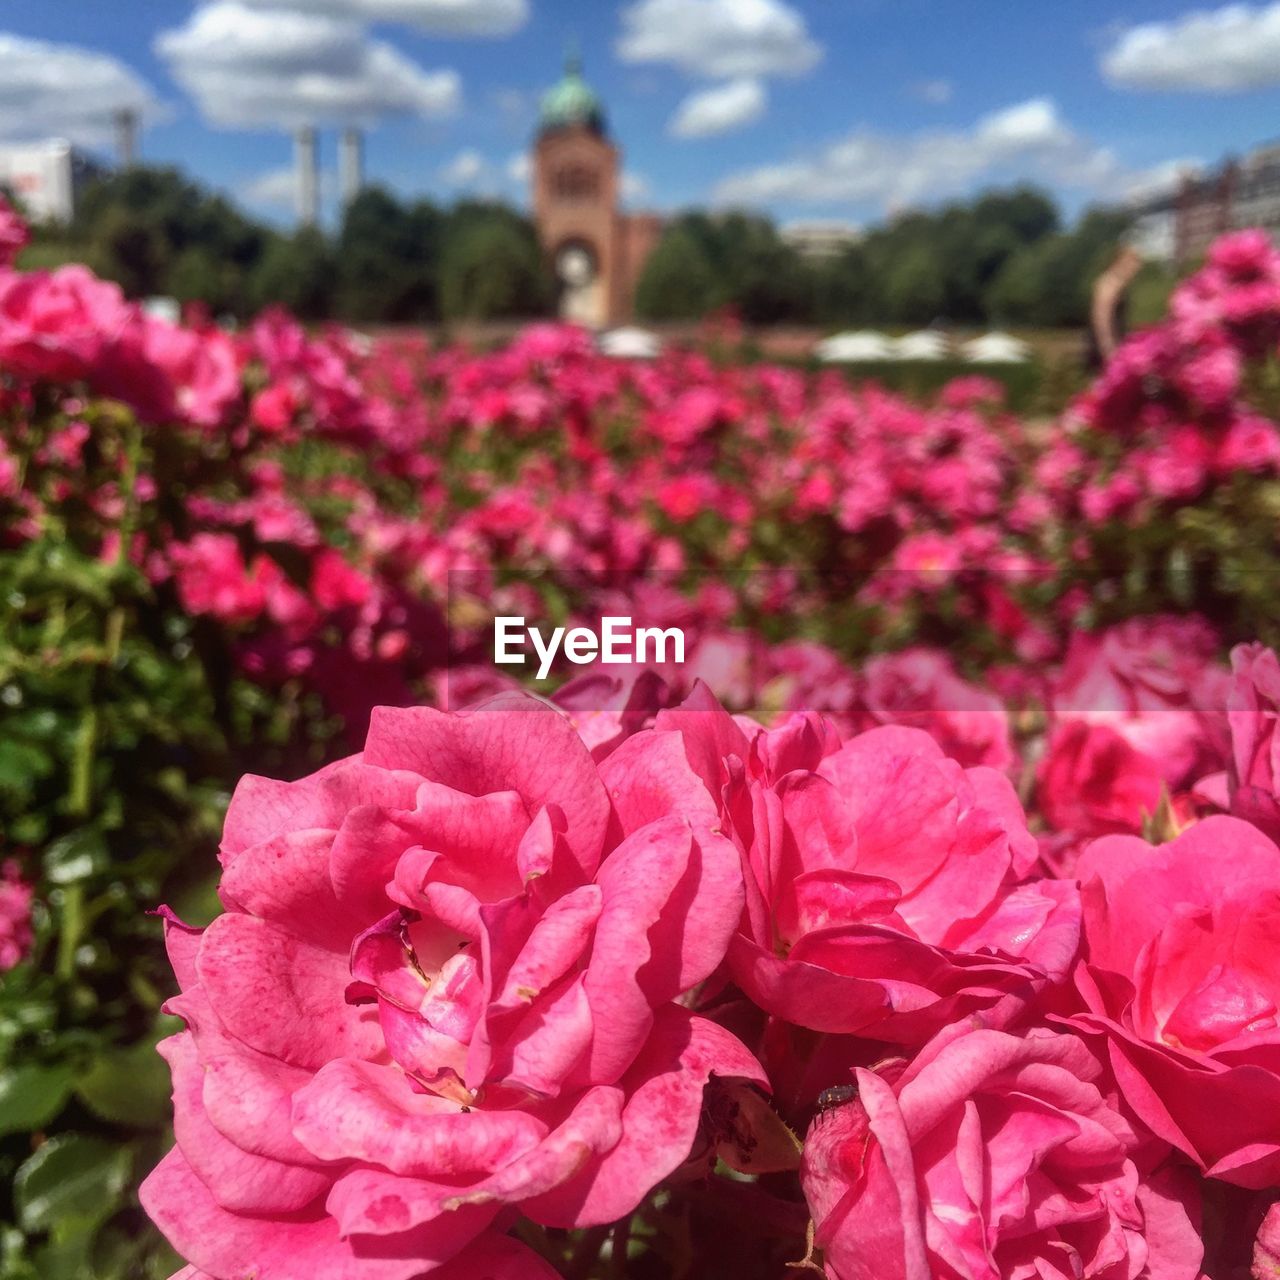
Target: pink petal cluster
point(992, 1155)
point(16, 896)
point(68, 326)
point(1182, 977)
point(1250, 785)
point(1137, 714)
point(921, 687)
point(888, 889)
point(445, 988)
point(14, 233)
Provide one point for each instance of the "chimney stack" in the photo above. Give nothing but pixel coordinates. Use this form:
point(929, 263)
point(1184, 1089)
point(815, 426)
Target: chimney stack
point(127, 137)
point(350, 164)
point(308, 175)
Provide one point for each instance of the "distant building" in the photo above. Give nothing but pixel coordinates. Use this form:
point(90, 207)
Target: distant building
point(1181, 225)
point(46, 177)
point(597, 252)
point(820, 239)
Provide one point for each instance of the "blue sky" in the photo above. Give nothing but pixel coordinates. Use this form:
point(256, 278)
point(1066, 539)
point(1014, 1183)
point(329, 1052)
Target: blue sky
point(810, 109)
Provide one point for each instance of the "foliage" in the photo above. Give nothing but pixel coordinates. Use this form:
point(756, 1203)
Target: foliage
point(677, 281)
point(388, 259)
point(296, 272)
point(997, 258)
point(491, 265)
point(1048, 281)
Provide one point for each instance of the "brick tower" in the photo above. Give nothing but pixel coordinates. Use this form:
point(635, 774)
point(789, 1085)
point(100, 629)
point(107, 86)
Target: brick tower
point(596, 251)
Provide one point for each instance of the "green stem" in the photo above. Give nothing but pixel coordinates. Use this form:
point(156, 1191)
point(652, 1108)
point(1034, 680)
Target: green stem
point(115, 633)
point(129, 484)
point(72, 927)
point(80, 794)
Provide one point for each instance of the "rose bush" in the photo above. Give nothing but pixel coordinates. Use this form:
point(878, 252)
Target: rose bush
point(521, 991)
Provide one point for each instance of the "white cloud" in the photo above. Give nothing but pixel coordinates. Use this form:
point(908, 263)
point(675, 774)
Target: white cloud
point(1027, 140)
point(60, 89)
point(720, 109)
point(519, 168)
point(1027, 126)
point(436, 17)
point(466, 169)
point(474, 174)
point(935, 92)
point(719, 38)
point(278, 188)
point(254, 68)
point(1225, 50)
point(634, 186)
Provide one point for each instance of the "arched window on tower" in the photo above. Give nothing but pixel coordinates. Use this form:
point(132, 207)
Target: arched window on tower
point(577, 184)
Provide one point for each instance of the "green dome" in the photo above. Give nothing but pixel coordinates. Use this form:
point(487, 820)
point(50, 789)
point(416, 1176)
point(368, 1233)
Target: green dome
point(571, 102)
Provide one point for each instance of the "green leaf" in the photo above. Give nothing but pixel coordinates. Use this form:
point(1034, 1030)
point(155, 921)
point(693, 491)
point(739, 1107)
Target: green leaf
point(32, 1095)
point(71, 1179)
point(128, 1086)
point(750, 1136)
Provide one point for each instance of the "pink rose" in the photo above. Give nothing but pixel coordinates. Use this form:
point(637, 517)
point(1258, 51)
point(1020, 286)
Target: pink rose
point(1250, 787)
point(13, 233)
point(200, 368)
point(445, 986)
point(211, 577)
point(273, 407)
point(1136, 712)
point(56, 325)
point(1092, 782)
point(991, 1155)
point(887, 889)
point(15, 916)
point(337, 585)
point(921, 687)
point(1182, 976)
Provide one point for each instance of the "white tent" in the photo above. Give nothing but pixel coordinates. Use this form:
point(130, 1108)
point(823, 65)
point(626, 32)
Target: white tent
point(925, 344)
point(996, 348)
point(852, 348)
point(630, 344)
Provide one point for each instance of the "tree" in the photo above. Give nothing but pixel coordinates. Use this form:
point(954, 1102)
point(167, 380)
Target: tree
point(491, 265)
point(914, 289)
point(141, 225)
point(296, 272)
point(678, 282)
point(388, 259)
point(200, 275)
point(1050, 282)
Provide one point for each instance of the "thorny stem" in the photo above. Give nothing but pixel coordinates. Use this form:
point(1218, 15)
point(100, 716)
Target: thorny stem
point(807, 1263)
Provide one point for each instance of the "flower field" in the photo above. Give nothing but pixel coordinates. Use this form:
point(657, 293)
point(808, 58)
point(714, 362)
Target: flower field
point(923, 922)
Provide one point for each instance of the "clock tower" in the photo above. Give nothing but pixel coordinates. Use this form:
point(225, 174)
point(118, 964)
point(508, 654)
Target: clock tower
point(596, 252)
